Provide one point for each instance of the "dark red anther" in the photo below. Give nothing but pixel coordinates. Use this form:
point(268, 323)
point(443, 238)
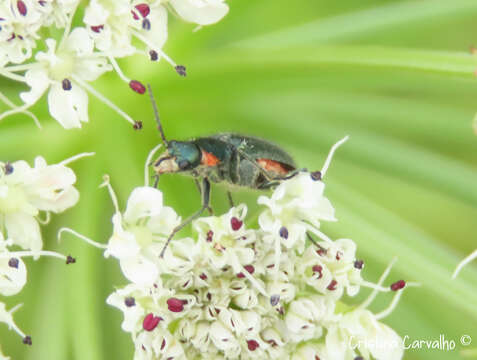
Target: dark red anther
point(143, 9)
point(137, 86)
point(321, 251)
point(22, 9)
point(252, 345)
point(150, 322)
point(318, 269)
point(175, 304)
point(332, 285)
point(272, 342)
point(97, 28)
point(13, 263)
point(163, 344)
point(210, 234)
point(13, 36)
point(70, 260)
point(358, 358)
point(250, 269)
point(315, 175)
point(358, 264)
point(283, 232)
point(398, 285)
point(137, 125)
point(339, 254)
point(235, 223)
point(27, 340)
point(317, 357)
point(181, 70)
point(130, 301)
point(66, 84)
point(203, 276)
point(42, 2)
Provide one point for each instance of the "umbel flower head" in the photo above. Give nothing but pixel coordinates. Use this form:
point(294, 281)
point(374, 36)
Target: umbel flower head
point(25, 192)
point(110, 30)
point(239, 292)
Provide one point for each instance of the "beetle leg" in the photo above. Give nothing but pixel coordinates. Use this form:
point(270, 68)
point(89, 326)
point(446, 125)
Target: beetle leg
point(292, 174)
point(205, 191)
point(276, 181)
point(156, 180)
point(313, 241)
point(231, 200)
point(254, 163)
point(211, 211)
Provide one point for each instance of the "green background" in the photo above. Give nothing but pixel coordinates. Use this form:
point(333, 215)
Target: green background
point(397, 76)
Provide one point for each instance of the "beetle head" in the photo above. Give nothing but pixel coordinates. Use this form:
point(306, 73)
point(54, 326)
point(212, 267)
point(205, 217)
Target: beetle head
point(179, 156)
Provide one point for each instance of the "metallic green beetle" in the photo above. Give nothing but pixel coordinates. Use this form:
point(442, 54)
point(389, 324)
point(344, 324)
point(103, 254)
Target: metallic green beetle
point(231, 158)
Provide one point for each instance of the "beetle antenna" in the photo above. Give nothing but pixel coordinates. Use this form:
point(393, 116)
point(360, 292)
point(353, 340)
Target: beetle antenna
point(156, 115)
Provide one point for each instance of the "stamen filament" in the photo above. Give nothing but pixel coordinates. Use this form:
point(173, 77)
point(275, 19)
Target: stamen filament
point(12, 325)
point(13, 106)
point(46, 220)
point(148, 162)
point(16, 110)
point(11, 76)
point(111, 192)
point(8, 255)
point(318, 233)
point(374, 293)
point(394, 302)
point(118, 69)
point(391, 306)
point(374, 286)
point(22, 67)
point(82, 237)
point(463, 263)
point(103, 99)
point(66, 32)
point(76, 157)
point(236, 264)
point(148, 43)
point(330, 155)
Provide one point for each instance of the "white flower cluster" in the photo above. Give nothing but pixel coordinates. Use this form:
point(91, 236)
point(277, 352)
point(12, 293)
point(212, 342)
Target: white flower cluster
point(25, 192)
point(110, 30)
point(236, 292)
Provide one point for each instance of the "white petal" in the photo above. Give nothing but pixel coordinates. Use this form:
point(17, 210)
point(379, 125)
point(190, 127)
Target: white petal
point(38, 81)
point(12, 279)
point(68, 107)
point(157, 34)
point(122, 244)
point(132, 314)
point(143, 202)
point(80, 42)
point(139, 270)
point(24, 231)
point(50, 188)
point(202, 12)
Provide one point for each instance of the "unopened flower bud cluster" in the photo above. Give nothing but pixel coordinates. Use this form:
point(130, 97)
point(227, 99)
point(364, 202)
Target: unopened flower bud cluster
point(109, 30)
point(27, 197)
point(240, 292)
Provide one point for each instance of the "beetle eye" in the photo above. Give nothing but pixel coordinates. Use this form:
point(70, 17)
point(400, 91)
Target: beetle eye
point(183, 164)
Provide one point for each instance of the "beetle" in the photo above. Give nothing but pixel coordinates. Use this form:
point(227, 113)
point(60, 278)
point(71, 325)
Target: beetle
point(232, 158)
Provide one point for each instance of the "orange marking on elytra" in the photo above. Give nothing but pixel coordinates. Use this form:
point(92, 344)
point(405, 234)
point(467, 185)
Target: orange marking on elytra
point(209, 159)
point(272, 165)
